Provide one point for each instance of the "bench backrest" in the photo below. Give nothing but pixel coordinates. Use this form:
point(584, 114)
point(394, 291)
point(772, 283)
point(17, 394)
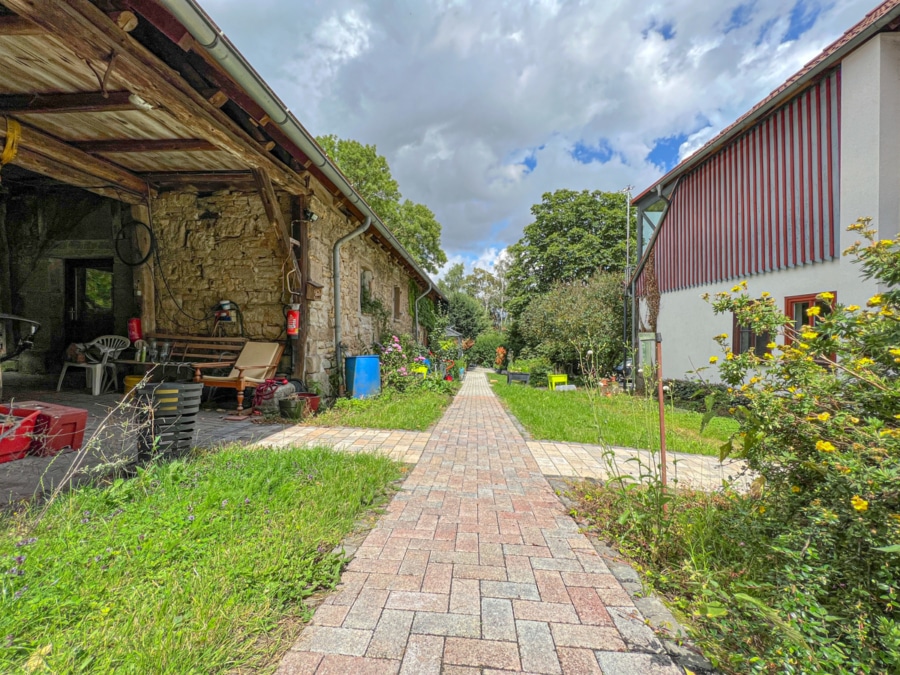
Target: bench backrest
point(199, 349)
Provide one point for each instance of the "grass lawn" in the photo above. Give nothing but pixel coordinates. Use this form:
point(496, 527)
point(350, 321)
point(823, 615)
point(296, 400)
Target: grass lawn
point(196, 566)
point(415, 410)
point(620, 420)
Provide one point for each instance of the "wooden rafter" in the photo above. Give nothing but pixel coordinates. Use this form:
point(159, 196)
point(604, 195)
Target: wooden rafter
point(136, 145)
point(91, 35)
point(16, 25)
point(201, 180)
point(30, 104)
point(276, 219)
point(102, 171)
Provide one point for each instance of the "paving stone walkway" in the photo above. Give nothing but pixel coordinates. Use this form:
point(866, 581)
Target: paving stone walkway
point(476, 568)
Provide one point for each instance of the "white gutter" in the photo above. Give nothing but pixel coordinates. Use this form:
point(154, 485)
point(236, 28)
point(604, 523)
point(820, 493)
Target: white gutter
point(213, 40)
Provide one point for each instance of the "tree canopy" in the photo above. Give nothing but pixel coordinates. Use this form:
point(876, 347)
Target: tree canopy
point(414, 225)
point(467, 315)
point(574, 235)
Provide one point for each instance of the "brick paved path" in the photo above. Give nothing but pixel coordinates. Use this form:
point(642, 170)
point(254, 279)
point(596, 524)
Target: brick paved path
point(476, 568)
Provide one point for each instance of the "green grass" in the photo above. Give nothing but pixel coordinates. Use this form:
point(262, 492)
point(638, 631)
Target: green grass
point(621, 420)
point(196, 566)
point(414, 410)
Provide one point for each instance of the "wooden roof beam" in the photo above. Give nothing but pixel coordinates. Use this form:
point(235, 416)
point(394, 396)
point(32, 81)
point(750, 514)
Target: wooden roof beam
point(16, 25)
point(82, 102)
point(102, 171)
point(136, 145)
point(64, 173)
point(91, 35)
point(201, 180)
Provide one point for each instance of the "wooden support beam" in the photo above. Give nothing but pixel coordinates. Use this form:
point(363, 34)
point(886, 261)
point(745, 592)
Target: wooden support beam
point(203, 180)
point(145, 145)
point(300, 230)
point(103, 172)
point(91, 35)
point(144, 275)
point(85, 102)
point(64, 173)
point(276, 219)
point(16, 25)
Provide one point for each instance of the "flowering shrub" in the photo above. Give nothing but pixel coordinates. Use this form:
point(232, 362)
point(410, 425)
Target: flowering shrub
point(397, 363)
point(821, 427)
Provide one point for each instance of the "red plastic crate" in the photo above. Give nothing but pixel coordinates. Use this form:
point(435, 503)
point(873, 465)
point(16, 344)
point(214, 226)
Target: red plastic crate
point(58, 427)
point(16, 432)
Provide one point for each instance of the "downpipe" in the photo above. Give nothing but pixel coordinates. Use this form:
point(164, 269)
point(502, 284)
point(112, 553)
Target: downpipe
point(416, 309)
point(336, 281)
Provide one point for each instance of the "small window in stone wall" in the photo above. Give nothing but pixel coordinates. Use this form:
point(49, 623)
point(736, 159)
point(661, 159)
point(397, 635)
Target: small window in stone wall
point(365, 288)
point(396, 303)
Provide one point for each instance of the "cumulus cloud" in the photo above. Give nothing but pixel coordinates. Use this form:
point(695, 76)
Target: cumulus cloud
point(478, 106)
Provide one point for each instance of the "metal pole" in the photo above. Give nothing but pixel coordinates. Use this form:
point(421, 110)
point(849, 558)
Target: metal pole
point(625, 349)
point(662, 408)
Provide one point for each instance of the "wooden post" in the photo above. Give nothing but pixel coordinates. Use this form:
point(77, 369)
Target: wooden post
point(300, 232)
point(662, 409)
point(141, 213)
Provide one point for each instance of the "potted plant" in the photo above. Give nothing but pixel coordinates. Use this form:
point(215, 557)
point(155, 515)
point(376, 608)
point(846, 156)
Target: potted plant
point(312, 398)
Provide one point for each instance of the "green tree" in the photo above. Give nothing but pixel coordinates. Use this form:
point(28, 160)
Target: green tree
point(454, 280)
point(574, 235)
point(577, 316)
point(413, 224)
point(467, 315)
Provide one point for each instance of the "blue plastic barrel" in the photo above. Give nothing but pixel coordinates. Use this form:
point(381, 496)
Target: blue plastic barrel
point(363, 375)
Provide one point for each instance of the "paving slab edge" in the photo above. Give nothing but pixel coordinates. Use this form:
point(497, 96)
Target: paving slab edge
point(670, 635)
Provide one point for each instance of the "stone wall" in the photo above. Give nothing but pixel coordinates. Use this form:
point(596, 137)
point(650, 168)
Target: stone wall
point(221, 247)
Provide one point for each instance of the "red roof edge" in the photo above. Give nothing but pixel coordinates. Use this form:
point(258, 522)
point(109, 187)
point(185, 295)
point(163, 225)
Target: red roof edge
point(871, 24)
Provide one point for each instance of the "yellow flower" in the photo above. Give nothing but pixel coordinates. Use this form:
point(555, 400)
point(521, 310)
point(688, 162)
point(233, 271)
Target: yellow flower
point(823, 416)
point(875, 300)
point(894, 352)
point(762, 509)
point(826, 296)
point(736, 289)
point(825, 446)
point(808, 334)
point(863, 362)
point(743, 284)
point(729, 356)
point(859, 503)
point(814, 311)
point(713, 359)
point(771, 345)
point(852, 308)
point(854, 420)
point(886, 312)
point(792, 389)
point(795, 489)
point(765, 294)
point(754, 380)
point(722, 336)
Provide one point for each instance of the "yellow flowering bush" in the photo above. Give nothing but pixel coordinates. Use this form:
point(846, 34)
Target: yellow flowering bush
point(820, 427)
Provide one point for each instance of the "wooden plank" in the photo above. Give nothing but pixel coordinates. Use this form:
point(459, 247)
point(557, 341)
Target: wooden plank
point(16, 25)
point(91, 35)
point(300, 231)
point(145, 145)
point(216, 180)
point(28, 159)
point(62, 153)
point(82, 102)
point(146, 286)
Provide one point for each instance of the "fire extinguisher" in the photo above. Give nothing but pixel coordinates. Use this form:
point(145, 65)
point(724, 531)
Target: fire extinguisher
point(293, 321)
point(134, 330)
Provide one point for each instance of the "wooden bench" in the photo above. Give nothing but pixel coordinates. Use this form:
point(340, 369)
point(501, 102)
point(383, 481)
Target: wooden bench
point(518, 377)
point(186, 350)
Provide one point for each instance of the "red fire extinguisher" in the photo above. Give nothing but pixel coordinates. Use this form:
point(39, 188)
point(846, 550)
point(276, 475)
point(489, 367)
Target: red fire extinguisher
point(134, 330)
point(293, 321)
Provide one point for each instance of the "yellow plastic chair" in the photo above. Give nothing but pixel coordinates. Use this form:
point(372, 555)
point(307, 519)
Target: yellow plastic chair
point(421, 370)
point(553, 380)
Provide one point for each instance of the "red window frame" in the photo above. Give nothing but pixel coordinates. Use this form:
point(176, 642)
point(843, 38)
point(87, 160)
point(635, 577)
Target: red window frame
point(794, 303)
point(754, 342)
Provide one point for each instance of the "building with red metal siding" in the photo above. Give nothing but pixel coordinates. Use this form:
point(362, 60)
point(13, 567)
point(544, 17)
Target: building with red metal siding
point(769, 199)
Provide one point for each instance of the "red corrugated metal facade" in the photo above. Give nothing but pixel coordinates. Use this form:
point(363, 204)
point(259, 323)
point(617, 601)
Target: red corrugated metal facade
point(767, 201)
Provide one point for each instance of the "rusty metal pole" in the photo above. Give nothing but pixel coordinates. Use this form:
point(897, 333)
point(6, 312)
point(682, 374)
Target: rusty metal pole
point(662, 408)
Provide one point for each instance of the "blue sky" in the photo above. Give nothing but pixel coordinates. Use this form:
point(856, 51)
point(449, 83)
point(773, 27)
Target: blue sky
point(482, 107)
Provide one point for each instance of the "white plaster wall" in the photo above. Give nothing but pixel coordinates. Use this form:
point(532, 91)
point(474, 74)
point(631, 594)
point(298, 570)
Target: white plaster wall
point(688, 325)
point(870, 149)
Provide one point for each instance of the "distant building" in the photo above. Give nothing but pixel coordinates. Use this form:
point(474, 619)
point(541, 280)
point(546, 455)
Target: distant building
point(769, 199)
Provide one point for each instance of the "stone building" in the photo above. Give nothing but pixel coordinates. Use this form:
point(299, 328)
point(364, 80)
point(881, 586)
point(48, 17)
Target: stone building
point(177, 150)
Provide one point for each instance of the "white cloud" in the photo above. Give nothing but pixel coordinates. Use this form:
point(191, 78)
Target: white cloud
point(457, 93)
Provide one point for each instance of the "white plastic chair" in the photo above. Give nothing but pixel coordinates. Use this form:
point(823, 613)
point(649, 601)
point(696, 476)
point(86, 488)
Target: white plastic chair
point(100, 374)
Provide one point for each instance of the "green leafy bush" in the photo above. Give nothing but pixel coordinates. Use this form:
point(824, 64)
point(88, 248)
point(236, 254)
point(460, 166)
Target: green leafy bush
point(538, 368)
point(484, 351)
point(575, 317)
